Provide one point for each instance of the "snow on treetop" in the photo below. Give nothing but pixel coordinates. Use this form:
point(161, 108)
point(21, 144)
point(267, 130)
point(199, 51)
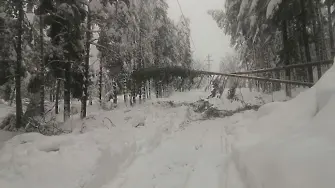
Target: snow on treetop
point(243, 7)
point(253, 5)
point(273, 4)
point(95, 6)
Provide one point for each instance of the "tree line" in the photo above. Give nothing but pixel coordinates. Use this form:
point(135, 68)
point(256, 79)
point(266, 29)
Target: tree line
point(272, 33)
point(47, 47)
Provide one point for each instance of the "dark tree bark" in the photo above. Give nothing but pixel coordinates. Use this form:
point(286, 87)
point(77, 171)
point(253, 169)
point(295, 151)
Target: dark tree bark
point(330, 27)
point(306, 40)
point(149, 89)
point(57, 95)
point(67, 91)
point(18, 69)
point(86, 67)
point(100, 79)
point(42, 68)
point(320, 36)
point(51, 95)
point(286, 57)
point(114, 91)
point(125, 87)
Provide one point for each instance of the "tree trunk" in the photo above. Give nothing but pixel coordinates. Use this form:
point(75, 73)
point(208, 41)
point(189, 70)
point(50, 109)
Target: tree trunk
point(86, 67)
point(321, 21)
point(286, 57)
point(306, 40)
point(57, 95)
point(318, 32)
point(149, 89)
point(42, 68)
point(51, 95)
point(67, 92)
point(100, 79)
point(125, 87)
point(303, 73)
point(18, 70)
point(133, 92)
point(114, 91)
point(156, 89)
point(330, 27)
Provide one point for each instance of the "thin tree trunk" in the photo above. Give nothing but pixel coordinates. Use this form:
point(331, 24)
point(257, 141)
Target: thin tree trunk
point(91, 100)
point(305, 40)
point(286, 57)
point(318, 31)
point(134, 92)
point(42, 67)
point(330, 27)
point(125, 87)
point(100, 79)
point(114, 91)
point(321, 21)
point(67, 92)
point(149, 89)
point(114, 83)
point(51, 95)
point(18, 70)
point(57, 95)
point(86, 67)
point(303, 74)
point(157, 89)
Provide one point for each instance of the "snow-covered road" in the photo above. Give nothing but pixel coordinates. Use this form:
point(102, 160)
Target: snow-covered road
point(166, 143)
point(188, 159)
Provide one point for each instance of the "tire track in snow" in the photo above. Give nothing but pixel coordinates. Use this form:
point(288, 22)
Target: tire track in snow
point(189, 159)
point(207, 170)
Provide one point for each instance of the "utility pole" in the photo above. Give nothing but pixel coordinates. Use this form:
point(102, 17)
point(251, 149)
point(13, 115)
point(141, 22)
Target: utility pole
point(209, 67)
point(209, 62)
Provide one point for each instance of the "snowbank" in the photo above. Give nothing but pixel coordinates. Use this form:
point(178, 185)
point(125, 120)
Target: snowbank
point(289, 144)
point(92, 155)
point(5, 136)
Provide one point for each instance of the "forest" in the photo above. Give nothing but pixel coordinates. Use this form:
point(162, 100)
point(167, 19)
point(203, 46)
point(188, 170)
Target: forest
point(275, 33)
point(61, 50)
point(57, 51)
point(113, 94)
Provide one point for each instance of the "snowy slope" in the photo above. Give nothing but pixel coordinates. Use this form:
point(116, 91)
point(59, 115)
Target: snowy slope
point(89, 157)
point(289, 144)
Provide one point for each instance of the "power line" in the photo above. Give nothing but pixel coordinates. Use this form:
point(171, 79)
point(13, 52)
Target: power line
point(181, 10)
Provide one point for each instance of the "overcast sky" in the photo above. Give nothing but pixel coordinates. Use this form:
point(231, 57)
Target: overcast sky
point(207, 37)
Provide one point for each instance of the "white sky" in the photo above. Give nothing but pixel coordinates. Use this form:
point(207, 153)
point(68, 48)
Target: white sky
point(207, 37)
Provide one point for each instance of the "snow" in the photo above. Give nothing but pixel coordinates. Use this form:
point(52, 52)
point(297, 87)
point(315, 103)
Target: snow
point(272, 6)
point(253, 20)
point(253, 5)
point(290, 144)
point(5, 136)
point(157, 144)
point(91, 154)
point(189, 159)
point(243, 9)
point(95, 6)
point(30, 17)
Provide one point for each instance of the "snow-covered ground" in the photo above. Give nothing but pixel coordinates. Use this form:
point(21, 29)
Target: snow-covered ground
point(287, 144)
point(159, 144)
